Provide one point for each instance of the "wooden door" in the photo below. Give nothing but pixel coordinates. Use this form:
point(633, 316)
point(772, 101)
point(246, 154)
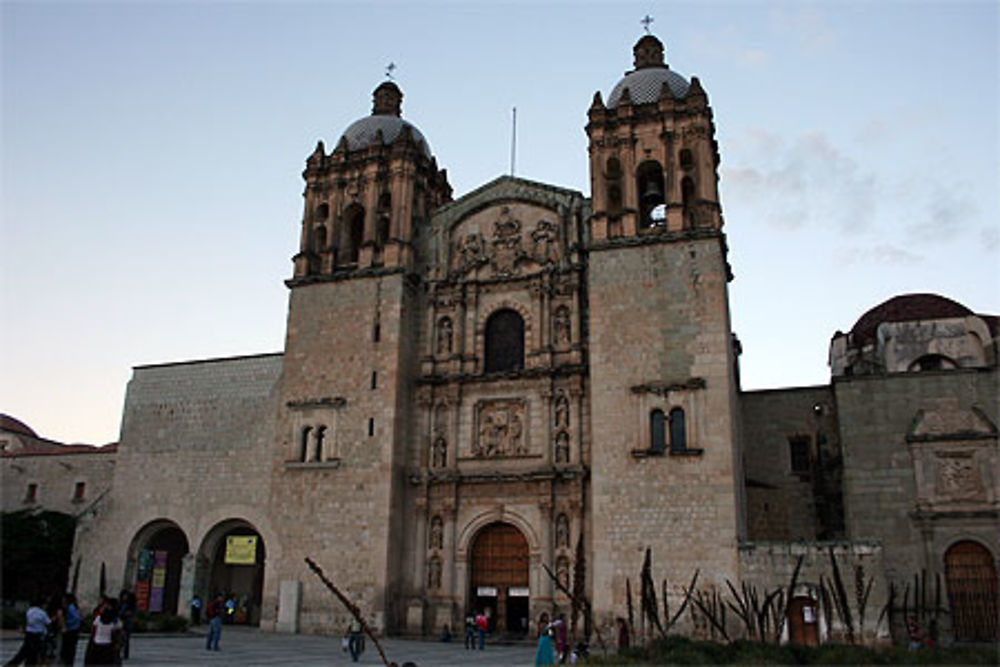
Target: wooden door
point(972, 591)
point(803, 621)
point(500, 561)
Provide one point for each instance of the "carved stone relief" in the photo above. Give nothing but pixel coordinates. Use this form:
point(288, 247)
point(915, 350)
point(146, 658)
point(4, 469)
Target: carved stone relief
point(500, 429)
point(958, 475)
point(434, 573)
point(437, 533)
point(562, 447)
point(506, 244)
point(561, 333)
point(439, 453)
point(444, 337)
point(562, 410)
point(545, 245)
point(562, 531)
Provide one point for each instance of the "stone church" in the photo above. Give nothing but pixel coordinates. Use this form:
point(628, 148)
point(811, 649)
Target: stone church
point(474, 390)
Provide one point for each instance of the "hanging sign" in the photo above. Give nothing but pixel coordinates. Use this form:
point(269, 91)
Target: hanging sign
point(518, 592)
point(486, 591)
point(241, 549)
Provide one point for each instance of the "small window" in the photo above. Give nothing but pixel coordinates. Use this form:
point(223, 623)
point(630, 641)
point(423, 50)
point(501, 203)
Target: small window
point(504, 342)
point(374, 380)
point(678, 433)
point(31, 494)
point(657, 432)
point(798, 454)
point(304, 444)
point(371, 426)
point(376, 332)
point(320, 435)
point(686, 159)
point(79, 491)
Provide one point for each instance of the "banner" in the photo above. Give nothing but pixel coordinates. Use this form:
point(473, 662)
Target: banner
point(241, 549)
point(158, 580)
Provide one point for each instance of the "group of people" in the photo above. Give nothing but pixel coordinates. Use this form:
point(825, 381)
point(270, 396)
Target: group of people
point(476, 626)
point(59, 623)
point(553, 647)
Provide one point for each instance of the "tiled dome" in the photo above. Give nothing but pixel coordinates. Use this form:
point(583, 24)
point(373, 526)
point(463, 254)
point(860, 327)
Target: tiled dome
point(906, 308)
point(644, 85)
point(361, 133)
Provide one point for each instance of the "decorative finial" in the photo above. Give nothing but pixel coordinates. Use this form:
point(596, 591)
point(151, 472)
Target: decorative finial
point(389, 69)
point(646, 20)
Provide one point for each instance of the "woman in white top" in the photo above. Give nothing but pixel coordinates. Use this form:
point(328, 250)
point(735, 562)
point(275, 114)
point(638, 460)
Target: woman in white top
point(103, 638)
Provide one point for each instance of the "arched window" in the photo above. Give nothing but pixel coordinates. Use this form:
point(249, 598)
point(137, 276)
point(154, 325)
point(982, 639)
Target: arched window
point(657, 431)
point(354, 233)
point(686, 159)
point(504, 341)
point(322, 212)
point(382, 219)
point(320, 434)
point(932, 362)
point(649, 179)
point(319, 238)
point(687, 200)
point(678, 435)
point(304, 444)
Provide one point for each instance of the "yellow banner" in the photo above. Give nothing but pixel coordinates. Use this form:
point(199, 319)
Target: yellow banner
point(241, 549)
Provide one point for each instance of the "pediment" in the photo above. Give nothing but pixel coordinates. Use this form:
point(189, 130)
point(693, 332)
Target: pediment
point(947, 421)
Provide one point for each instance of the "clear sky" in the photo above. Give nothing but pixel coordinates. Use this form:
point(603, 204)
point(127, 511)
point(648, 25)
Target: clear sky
point(152, 156)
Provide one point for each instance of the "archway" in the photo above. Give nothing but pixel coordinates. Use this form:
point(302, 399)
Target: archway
point(157, 552)
point(231, 563)
point(499, 578)
point(972, 591)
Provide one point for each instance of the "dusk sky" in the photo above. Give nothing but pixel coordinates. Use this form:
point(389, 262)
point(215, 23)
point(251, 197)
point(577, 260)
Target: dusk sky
point(152, 156)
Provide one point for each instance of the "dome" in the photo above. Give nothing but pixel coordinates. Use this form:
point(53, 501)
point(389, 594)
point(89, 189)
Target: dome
point(8, 423)
point(906, 308)
point(644, 85)
point(645, 82)
point(387, 103)
point(361, 133)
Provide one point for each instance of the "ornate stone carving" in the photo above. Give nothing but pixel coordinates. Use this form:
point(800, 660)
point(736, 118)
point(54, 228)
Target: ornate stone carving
point(444, 336)
point(506, 244)
point(470, 252)
point(562, 571)
point(562, 410)
point(437, 533)
point(500, 429)
point(562, 447)
point(545, 244)
point(434, 573)
point(562, 531)
point(439, 453)
point(561, 332)
point(958, 475)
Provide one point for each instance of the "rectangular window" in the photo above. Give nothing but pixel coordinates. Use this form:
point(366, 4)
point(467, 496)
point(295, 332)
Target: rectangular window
point(376, 332)
point(31, 495)
point(798, 451)
point(371, 426)
point(79, 491)
point(374, 380)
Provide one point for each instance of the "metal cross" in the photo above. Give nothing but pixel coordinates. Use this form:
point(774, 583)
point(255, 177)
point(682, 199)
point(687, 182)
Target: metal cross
point(389, 69)
point(646, 20)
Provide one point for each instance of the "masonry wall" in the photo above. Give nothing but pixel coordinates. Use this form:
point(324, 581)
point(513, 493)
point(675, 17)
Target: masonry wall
point(57, 477)
point(338, 511)
point(660, 338)
point(193, 453)
point(880, 488)
point(783, 504)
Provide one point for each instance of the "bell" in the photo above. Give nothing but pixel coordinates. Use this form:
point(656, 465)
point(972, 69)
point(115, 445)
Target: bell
point(653, 194)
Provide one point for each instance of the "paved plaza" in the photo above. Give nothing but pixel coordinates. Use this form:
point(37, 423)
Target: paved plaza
point(246, 646)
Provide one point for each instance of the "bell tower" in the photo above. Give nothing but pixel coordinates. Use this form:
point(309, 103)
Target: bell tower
point(365, 200)
point(653, 154)
point(663, 404)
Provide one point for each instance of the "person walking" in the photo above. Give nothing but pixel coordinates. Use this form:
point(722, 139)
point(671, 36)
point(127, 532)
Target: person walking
point(196, 610)
point(36, 625)
point(214, 611)
point(482, 623)
point(355, 642)
point(105, 636)
point(544, 655)
point(126, 614)
point(71, 630)
point(470, 631)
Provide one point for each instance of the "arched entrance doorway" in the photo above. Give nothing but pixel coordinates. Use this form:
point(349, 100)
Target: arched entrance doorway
point(972, 591)
point(231, 564)
point(500, 573)
point(156, 556)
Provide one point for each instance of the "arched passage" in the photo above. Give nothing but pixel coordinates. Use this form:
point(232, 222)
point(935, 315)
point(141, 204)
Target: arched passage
point(972, 591)
point(499, 577)
point(157, 552)
point(231, 563)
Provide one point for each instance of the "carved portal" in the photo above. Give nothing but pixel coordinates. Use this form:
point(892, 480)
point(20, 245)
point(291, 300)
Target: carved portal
point(500, 429)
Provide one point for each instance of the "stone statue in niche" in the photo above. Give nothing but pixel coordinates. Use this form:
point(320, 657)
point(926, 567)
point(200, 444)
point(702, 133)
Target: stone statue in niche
point(506, 243)
point(562, 531)
point(440, 418)
point(562, 447)
point(561, 326)
point(469, 252)
point(444, 337)
point(434, 573)
point(437, 533)
point(545, 245)
point(562, 571)
point(562, 411)
point(958, 476)
point(501, 429)
point(439, 453)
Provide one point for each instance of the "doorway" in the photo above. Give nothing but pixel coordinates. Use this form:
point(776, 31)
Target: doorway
point(972, 591)
point(500, 574)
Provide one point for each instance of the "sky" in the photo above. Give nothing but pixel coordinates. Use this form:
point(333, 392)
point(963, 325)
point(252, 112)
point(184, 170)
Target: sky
point(151, 157)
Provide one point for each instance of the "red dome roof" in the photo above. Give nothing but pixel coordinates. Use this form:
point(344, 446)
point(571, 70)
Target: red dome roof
point(8, 423)
point(906, 308)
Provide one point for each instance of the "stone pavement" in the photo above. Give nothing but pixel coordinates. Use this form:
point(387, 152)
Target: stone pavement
point(248, 646)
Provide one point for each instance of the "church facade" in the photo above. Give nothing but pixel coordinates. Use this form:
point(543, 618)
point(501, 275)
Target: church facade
point(488, 401)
